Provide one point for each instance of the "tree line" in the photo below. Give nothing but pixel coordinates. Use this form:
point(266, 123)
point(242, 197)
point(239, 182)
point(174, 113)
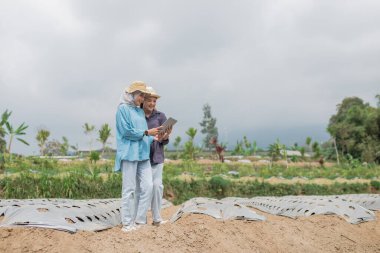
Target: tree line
point(354, 130)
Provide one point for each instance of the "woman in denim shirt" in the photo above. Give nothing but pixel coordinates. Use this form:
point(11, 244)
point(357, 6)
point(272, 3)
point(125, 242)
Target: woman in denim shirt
point(132, 156)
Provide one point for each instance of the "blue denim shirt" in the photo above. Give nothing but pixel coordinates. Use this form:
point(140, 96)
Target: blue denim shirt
point(156, 119)
point(132, 144)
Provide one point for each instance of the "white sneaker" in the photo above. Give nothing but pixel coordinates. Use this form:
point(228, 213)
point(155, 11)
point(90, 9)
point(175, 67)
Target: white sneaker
point(128, 228)
point(159, 223)
point(139, 225)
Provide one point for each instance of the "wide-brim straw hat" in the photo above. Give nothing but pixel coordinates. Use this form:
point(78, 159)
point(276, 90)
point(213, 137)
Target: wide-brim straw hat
point(137, 86)
point(152, 92)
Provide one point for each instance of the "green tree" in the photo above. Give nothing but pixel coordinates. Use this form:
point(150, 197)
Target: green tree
point(208, 125)
point(88, 130)
point(3, 144)
point(274, 150)
point(254, 148)
point(247, 146)
point(189, 149)
point(356, 129)
point(12, 132)
point(239, 149)
point(104, 134)
point(302, 151)
point(308, 143)
point(316, 149)
point(42, 136)
point(64, 146)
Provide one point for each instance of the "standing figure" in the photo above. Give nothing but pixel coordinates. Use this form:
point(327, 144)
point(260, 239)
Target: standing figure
point(132, 156)
point(155, 119)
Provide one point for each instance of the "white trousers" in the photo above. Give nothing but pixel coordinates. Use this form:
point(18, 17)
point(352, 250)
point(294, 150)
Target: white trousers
point(134, 206)
point(158, 189)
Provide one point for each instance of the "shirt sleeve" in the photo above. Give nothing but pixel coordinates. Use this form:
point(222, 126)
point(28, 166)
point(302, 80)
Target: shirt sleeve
point(125, 126)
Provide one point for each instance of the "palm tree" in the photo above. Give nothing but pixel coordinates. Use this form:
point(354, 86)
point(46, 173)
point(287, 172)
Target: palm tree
point(15, 132)
point(88, 129)
point(104, 134)
point(42, 136)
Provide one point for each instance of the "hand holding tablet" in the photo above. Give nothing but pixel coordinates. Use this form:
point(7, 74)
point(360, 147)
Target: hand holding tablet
point(168, 124)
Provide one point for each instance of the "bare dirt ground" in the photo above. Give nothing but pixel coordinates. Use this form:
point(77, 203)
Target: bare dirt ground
point(200, 233)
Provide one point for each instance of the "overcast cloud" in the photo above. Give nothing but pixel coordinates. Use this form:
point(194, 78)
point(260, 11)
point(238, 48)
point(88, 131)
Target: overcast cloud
point(269, 69)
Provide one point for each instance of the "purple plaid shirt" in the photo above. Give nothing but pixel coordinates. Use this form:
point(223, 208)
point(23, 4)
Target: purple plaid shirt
point(156, 119)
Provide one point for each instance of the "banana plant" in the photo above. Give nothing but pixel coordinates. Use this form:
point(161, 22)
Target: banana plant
point(13, 133)
point(3, 144)
point(4, 119)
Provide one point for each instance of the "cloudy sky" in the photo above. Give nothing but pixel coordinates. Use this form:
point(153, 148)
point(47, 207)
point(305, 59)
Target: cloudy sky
point(269, 69)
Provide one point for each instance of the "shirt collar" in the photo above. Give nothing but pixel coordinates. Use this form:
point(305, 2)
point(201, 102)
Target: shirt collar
point(153, 114)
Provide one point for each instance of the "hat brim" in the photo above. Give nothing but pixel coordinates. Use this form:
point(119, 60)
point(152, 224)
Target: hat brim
point(131, 90)
point(153, 95)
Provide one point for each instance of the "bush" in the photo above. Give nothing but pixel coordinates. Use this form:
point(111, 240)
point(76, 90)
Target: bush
point(375, 185)
point(94, 156)
point(219, 185)
point(82, 186)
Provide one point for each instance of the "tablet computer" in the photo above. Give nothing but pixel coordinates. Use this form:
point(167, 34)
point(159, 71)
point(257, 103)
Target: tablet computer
point(167, 124)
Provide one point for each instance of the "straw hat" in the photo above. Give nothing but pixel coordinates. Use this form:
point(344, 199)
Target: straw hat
point(152, 92)
point(137, 86)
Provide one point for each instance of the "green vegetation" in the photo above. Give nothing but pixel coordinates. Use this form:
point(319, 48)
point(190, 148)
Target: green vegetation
point(88, 129)
point(209, 128)
point(356, 129)
point(355, 145)
point(80, 185)
point(276, 170)
point(190, 150)
point(42, 136)
point(12, 132)
point(104, 134)
point(3, 144)
point(35, 177)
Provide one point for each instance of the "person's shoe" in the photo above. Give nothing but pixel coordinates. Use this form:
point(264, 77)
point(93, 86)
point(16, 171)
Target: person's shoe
point(139, 225)
point(128, 228)
point(159, 223)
